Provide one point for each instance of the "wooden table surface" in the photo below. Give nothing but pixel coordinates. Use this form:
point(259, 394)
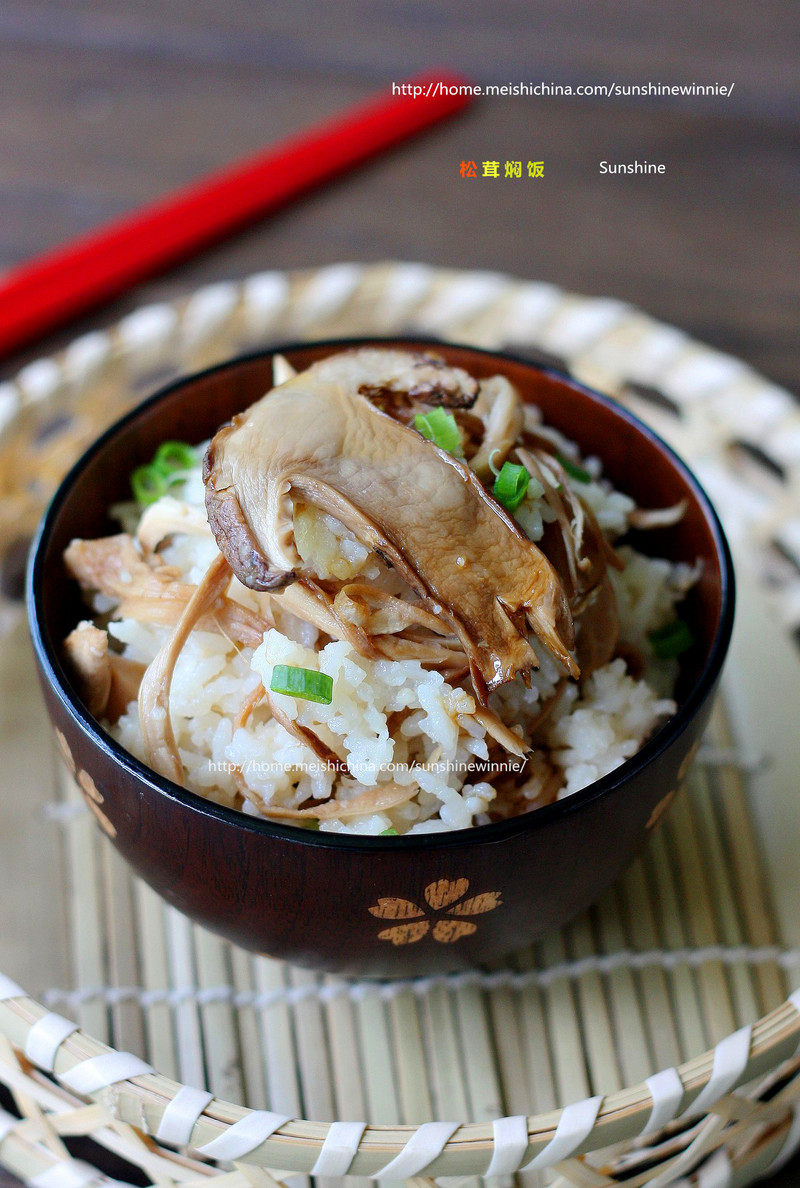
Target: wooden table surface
point(107, 105)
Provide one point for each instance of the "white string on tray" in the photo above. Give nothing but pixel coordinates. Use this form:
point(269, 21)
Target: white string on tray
point(502, 979)
point(45, 1038)
point(181, 1115)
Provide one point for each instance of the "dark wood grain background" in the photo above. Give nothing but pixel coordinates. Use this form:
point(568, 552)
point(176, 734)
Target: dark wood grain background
point(106, 104)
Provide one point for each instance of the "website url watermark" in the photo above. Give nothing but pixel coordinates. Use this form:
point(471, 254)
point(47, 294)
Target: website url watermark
point(612, 90)
point(265, 768)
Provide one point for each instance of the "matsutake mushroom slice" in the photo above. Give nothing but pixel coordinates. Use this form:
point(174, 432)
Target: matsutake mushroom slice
point(318, 436)
point(149, 591)
point(108, 683)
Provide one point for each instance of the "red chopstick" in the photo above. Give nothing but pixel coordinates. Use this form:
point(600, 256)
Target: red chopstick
point(59, 285)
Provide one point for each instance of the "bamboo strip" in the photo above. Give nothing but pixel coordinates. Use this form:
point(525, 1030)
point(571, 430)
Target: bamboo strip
point(408, 1042)
point(284, 1095)
point(728, 927)
point(346, 1063)
point(481, 1080)
point(592, 1010)
point(312, 1050)
point(87, 925)
point(508, 1047)
point(127, 1026)
point(380, 1082)
point(538, 1090)
point(748, 870)
point(639, 921)
point(188, 1032)
point(564, 1027)
point(313, 1058)
point(252, 1065)
point(664, 897)
point(627, 1010)
point(537, 1060)
point(33, 857)
point(218, 1021)
point(445, 1052)
point(277, 1041)
point(712, 981)
point(442, 1046)
point(154, 972)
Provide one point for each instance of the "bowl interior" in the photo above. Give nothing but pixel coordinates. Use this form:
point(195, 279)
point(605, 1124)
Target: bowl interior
point(634, 459)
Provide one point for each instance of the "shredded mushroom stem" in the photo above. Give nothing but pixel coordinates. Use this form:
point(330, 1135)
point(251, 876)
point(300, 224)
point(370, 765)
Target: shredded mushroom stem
point(657, 517)
point(373, 800)
point(352, 632)
point(282, 370)
point(307, 737)
point(501, 733)
point(250, 703)
point(308, 601)
point(540, 470)
point(400, 647)
point(158, 737)
point(229, 618)
point(500, 408)
point(302, 602)
point(391, 614)
point(389, 620)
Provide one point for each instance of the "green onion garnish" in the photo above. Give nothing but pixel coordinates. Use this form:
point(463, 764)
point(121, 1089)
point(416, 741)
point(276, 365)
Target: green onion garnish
point(148, 484)
point(174, 455)
point(302, 682)
point(673, 639)
point(574, 471)
point(390, 832)
point(439, 427)
point(511, 485)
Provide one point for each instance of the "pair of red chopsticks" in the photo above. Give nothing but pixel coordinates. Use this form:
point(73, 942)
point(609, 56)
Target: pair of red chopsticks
point(49, 290)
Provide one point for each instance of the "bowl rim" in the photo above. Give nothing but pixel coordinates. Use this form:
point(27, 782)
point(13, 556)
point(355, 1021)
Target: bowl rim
point(58, 681)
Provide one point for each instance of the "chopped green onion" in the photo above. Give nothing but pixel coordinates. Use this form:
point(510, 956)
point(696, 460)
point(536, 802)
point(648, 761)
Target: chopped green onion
point(439, 427)
point(511, 486)
point(312, 823)
point(574, 471)
point(302, 682)
point(390, 832)
point(174, 455)
point(673, 639)
point(148, 484)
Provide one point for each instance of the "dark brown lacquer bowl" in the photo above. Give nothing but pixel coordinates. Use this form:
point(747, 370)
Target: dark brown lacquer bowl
point(379, 906)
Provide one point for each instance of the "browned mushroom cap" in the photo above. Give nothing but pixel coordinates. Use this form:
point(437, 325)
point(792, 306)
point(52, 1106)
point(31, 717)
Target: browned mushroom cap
point(318, 436)
point(386, 375)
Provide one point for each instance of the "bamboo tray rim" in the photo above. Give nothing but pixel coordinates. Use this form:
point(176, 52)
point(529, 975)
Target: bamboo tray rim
point(295, 1145)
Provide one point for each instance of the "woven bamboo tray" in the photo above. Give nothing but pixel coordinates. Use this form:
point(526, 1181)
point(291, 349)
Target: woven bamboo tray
point(654, 1040)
